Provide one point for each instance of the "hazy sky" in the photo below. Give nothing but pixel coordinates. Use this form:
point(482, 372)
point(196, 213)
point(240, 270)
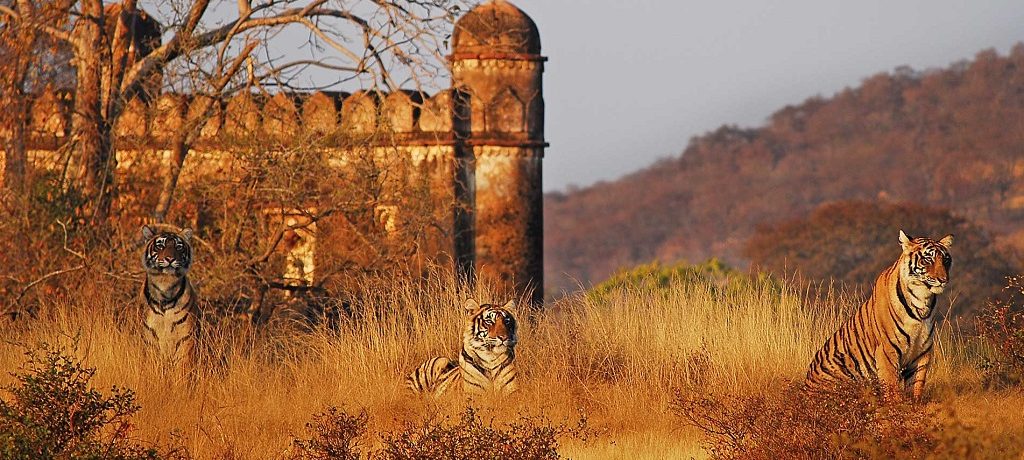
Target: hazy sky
point(628, 82)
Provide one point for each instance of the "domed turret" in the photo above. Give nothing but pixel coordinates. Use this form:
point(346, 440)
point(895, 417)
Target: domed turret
point(496, 64)
point(496, 27)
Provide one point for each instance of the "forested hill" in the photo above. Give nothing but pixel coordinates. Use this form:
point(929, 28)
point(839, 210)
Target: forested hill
point(950, 138)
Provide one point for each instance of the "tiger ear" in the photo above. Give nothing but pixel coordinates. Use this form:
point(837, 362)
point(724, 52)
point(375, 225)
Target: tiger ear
point(510, 305)
point(947, 241)
point(186, 233)
point(471, 305)
point(904, 240)
point(146, 232)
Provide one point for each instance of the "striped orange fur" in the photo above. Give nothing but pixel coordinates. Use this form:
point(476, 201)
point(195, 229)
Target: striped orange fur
point(890, 335)
point(171, 315)
point(485, 365)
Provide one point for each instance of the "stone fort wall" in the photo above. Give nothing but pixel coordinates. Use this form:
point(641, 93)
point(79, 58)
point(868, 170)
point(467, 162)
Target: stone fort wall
point(481, 141)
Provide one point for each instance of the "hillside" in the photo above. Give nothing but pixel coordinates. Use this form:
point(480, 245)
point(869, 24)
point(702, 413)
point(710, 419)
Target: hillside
point(951, 138)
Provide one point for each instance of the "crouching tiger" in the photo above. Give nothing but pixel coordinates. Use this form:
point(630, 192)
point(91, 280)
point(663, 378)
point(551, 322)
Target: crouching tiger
point(890, 335)
point(485, 365)
point(171, 315)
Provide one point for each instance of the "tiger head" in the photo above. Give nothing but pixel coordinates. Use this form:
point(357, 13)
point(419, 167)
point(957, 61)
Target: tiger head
point(927, 262)
point(167, 252)
point(490, 327)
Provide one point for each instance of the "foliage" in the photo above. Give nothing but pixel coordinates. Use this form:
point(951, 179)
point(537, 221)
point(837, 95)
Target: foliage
point(335, 436)
point(616, 360)
point(103, 177)
point(471, 438)
point(854, 241)
point(119, 54)
point(246, 223)
point(854, 421)
point(945, 137)
point(54, 413)
point(655, 277)
point(1001, 325)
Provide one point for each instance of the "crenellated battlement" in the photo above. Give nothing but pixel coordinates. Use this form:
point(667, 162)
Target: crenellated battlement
point(480, 144)
point(405, 117)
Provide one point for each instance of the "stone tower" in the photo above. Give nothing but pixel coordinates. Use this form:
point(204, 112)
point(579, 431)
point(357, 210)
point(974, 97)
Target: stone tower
point(496, 62)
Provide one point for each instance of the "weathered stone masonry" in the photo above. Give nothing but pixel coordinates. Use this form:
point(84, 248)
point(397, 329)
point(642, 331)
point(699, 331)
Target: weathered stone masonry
point(482, 141)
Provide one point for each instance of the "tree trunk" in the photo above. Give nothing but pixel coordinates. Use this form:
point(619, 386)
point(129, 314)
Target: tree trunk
point(170, 184)
point(15, 156)
point(93, 149)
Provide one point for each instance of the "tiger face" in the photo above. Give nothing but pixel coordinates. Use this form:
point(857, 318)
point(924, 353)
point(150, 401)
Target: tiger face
point(167, 252)
point(927, 261)
point(491, 327)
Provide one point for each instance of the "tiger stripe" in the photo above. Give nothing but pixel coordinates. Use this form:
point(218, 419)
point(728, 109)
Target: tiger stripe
point(434, 376)
point(171, 318)
point(486, 362)
point(890, 336)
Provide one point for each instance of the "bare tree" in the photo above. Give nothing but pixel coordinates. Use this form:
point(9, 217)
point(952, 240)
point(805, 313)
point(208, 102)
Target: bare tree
point(216, 50)
point(30, 61)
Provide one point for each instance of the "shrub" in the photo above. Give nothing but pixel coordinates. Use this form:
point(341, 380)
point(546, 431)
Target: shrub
point(852, 422)
point(854, 241)
point(53, 412)
point(335, 436)
point(1001, 325)
point(655, 277)
point(471, 438)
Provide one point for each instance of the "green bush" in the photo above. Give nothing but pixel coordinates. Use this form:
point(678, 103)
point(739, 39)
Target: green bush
point(654, 277)
point(53, 412)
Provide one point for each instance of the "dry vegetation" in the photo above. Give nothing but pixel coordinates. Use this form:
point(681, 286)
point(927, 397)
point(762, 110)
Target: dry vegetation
point(946, 138)
point(626, 361)
point(852, 240)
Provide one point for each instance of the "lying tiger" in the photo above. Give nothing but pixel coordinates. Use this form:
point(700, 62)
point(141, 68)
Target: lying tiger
point(890, 335)
point(485, 365)
point(171, 316)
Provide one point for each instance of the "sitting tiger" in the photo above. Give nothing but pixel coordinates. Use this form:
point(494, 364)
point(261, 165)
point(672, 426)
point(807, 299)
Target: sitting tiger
point(890, 335)
point(171, 317)
point(485, 365)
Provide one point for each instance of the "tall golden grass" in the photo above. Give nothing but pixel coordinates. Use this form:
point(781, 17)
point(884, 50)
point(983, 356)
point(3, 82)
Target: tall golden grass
point(617, 359)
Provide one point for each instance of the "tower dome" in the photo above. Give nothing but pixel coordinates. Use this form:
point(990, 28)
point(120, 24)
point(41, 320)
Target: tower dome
point(496, 27)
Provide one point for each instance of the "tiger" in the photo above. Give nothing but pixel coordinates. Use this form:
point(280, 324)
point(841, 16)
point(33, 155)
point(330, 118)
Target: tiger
point(890, 337)
point(171, 317)
point(486, 364)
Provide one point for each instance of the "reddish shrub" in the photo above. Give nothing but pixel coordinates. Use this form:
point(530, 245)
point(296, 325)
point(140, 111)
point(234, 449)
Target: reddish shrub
point(1001, 325)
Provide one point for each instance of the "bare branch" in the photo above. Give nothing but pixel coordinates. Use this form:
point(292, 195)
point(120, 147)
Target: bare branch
point(45, 28)
point(44, 278)
point(279, 234)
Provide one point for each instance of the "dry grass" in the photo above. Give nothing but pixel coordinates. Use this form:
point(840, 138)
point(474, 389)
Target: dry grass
point(617, 358)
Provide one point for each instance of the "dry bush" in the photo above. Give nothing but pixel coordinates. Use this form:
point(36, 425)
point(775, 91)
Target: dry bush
point(1001, 325)
point(334, 435)
point(470, 438)
point(886, 139)
point(248, 213)
point(54, 412)
point(853, 421)
point(277, 196)
point(615, 359)
point(855, 240)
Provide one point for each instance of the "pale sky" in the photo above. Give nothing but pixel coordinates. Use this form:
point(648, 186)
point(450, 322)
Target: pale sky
point(628, 82)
